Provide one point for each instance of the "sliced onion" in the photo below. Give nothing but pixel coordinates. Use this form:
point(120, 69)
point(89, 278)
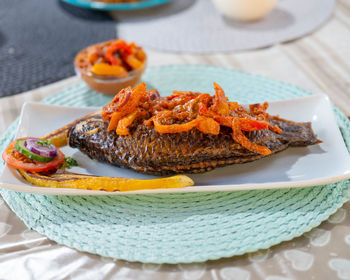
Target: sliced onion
point(42, 150)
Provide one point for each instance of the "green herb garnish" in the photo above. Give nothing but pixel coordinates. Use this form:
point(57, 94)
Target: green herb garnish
point(44, 143)
point(69, 162)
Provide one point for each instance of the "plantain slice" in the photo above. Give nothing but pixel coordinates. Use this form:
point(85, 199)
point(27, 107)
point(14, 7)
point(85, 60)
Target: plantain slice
point(65, 179)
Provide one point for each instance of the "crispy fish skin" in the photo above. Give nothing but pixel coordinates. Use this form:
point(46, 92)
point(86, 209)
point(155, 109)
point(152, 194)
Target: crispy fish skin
point(148, 151)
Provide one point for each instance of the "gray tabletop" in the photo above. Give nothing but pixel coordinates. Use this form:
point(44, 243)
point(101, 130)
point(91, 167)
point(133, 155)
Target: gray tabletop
point(39, 39)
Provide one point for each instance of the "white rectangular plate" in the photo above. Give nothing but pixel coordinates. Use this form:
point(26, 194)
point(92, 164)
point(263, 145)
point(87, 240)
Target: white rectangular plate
point(295, 167)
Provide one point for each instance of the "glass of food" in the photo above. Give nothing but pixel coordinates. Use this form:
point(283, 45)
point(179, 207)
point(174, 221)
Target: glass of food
point(110, 66)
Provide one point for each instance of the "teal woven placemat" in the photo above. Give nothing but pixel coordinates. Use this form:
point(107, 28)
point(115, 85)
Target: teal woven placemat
point(189, 227)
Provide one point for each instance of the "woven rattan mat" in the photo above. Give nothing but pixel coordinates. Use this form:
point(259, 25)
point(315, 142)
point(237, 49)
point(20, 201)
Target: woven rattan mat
point(39, 39)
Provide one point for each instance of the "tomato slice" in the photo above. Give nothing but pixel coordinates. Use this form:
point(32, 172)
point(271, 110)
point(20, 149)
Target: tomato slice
point(13, 158)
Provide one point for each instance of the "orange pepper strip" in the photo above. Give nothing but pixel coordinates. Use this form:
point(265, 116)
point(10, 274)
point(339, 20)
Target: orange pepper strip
point(105, 69)
point(93, 55)
point(140, 54)
point(241, 139)
point(133, 62)
point(113, 123)
point(132, 103)
point(275, 128)
point(174, 128)
point(122, 127)
point(220, 105)
point(112, 49)
point(208, 125)
point(127, 100)
point(225, 121)
point(204, 111)
point(124, 123)
point(113, 106)
point(251, 125)
point(245, 124)
point(233, 105)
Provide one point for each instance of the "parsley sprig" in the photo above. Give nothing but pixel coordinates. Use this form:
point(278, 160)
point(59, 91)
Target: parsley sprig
point(44, 143)
point(69, 162)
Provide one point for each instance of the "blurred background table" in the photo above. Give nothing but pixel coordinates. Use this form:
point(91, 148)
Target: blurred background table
point(318, 62)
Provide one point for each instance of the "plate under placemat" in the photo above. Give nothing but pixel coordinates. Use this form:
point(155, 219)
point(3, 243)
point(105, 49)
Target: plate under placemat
point(189, 227)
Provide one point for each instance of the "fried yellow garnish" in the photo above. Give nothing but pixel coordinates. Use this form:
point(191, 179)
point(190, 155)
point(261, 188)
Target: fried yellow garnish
point(64, 179)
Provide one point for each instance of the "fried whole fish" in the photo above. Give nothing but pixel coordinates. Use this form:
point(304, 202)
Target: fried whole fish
point(146, 150)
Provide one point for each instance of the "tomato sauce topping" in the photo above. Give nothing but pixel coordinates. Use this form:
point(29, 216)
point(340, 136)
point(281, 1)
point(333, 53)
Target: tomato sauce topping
point(186, 110)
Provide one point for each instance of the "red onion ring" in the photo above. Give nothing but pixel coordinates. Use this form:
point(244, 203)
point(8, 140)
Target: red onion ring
point(42, 150)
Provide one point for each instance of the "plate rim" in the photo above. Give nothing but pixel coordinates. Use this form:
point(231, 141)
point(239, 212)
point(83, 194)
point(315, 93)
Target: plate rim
point(204, 188)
